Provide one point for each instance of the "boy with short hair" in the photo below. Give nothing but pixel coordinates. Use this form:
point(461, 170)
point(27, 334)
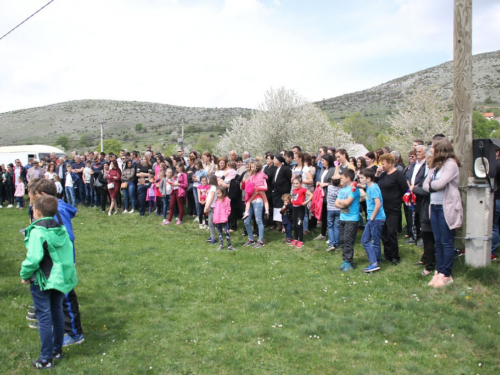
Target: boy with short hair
point(50, 270)
point(376, 220)
point(348, 202)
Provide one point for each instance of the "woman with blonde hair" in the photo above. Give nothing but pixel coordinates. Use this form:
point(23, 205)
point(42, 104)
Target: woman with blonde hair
point(445, 208)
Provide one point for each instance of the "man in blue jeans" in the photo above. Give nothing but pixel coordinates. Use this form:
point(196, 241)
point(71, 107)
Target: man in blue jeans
point(376, 220)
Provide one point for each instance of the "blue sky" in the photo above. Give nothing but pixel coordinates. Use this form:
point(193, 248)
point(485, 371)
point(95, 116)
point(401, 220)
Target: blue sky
point(222, 53)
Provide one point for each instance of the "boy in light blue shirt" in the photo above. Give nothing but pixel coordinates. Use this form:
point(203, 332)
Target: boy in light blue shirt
point(376, 220)
point(348, 202)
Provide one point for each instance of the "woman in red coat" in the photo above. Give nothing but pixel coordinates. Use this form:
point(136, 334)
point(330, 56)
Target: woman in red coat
point(113, 177)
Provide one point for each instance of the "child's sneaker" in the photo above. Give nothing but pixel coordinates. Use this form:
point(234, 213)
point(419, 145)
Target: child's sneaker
point(293, 243)
point(249, 243)
point(342, 266)
point(231, 248)
point(245, 215)
point(371, 268)
point(178, 222)
point(166, 222)
point(287, 241)
point(220, 248)
point(209, 239)
point(299, 244)
point(201, 226)
point(43, 365)
point(330, 248)
point(33, 325)
point(348, 267)
point(58, 356)
point(31, 316)
point(72, 340)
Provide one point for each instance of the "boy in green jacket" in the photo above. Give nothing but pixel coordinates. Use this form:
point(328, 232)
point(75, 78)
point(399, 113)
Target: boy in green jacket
point(50, 270)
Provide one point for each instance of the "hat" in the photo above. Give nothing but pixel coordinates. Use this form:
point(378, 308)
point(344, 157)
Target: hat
point(280, 158)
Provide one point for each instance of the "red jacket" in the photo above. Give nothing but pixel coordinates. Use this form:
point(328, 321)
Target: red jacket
point(316, 207)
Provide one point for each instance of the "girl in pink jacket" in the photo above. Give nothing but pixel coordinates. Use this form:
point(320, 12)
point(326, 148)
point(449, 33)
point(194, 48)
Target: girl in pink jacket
point(222, 209)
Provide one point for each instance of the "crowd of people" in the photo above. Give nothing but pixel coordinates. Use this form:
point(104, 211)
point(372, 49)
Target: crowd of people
point(292, 192)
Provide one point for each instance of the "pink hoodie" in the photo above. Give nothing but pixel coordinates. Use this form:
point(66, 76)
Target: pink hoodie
point(222, 210)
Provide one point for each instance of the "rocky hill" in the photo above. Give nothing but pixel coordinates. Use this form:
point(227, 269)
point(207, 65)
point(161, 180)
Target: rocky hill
point(160, 123)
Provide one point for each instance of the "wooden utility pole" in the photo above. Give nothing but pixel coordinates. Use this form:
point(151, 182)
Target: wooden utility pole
point(462, 92)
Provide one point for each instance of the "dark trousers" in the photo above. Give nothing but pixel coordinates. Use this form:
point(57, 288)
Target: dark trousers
point(176, 201)
point(416, 224)
point(235, 212)
point(390, 235)
point(104, 197)
point(80, 192)
point(71, 309)
point(324, 221)
point(298, 221)
point(9, 193)
point(348, 233)
point(429, 256)
point(142, 203)
point(202, 217)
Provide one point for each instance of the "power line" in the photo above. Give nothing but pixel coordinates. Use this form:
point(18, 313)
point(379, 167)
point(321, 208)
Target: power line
point(26, 19)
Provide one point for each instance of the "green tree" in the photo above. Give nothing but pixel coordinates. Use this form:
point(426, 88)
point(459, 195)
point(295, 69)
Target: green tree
point(482, 127)
point(62, 141)
point(204, 143)
point(139, 128)
point(111, 145)
point(361, 129)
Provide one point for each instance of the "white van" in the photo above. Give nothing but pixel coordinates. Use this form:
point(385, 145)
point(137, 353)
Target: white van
point(9, 154)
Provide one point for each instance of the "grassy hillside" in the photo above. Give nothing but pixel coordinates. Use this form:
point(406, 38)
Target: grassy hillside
point(161, 123)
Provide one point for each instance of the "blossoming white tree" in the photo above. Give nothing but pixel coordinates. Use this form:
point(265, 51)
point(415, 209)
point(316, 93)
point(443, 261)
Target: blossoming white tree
point(282, 121)
point(421, 114)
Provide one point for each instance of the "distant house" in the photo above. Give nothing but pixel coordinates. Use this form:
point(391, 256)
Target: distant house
point(489, 116)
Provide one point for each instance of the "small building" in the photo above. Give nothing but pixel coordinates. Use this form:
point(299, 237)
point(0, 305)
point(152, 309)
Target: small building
point(488, 116)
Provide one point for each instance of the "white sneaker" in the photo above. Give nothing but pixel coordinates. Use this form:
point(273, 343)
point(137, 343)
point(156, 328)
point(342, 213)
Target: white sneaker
point(131, 211)
point(196, 219)
point(201, 226)
point(125, 211)
point(1, 206)
point(9, 206)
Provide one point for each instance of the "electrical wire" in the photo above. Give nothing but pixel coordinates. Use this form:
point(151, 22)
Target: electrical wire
point(26, 19)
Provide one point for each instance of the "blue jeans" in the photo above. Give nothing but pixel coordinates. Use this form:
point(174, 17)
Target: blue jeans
point(256, 207)
point(195, 193)
point(166, 205)
point(49, 312)
point(333, 219)
point(70, 195)
point(88, 194)
point(129, 195)
point(371, 240)
point(495, 232)
point(305, 222)
point(288, 230)
point(444, 237)
point(80, 198)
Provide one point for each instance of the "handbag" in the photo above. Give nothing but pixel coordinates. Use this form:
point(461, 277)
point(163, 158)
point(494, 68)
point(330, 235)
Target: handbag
point(111, 185)
point(124, 185)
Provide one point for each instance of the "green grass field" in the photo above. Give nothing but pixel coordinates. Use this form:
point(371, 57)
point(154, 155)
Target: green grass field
point(158, 299)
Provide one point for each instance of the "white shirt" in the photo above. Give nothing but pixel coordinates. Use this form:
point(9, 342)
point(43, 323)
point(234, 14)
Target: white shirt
point(276, 174)
point(417, 167)
point(69, 181)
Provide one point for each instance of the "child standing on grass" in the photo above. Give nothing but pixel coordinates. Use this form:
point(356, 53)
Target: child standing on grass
point(209, 207)
point(151, 195)
point(286, 216)
point(376, 220)
point(348, 202)
point(333, 214)
point(49, 268)
point(300, 198)
point(19, 193)
point(222, 210)
point(202, 192)
point(59, 187)
point(165, 191)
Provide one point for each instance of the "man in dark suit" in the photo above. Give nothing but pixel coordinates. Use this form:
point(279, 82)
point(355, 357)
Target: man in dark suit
point(416, 174)
point(282, 183)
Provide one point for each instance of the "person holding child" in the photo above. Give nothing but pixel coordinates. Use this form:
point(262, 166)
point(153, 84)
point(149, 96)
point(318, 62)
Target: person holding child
point(222, 209)
point(49, 269)
point(375, 222)
point(300, 198)
point(348, 202)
